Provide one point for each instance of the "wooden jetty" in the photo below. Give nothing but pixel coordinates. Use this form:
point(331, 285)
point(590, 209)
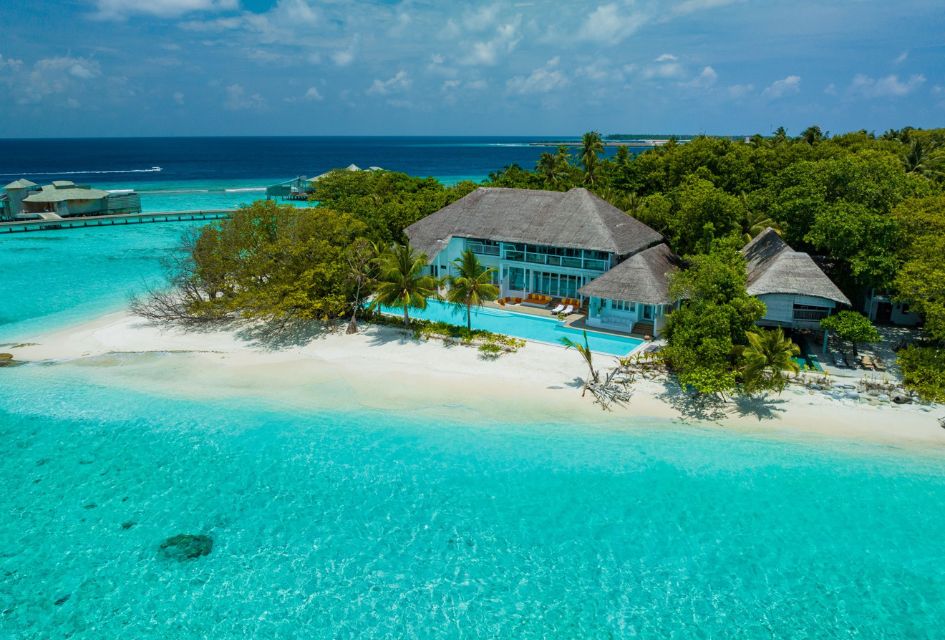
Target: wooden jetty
point(78, 222)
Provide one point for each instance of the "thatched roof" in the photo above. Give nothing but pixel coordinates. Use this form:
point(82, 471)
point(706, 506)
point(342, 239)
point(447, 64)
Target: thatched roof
point(774, 267)
point(643, 277)
point(576, 219)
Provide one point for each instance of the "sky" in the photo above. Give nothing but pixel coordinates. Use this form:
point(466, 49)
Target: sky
point(369, 67)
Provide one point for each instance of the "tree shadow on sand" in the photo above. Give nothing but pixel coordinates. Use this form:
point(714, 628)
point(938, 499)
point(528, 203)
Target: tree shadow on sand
point(693, 406)
point(274, 336)
point(762, 407)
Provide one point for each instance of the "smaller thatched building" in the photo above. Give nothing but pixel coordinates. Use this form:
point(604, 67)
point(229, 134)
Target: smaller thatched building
point(795, 290)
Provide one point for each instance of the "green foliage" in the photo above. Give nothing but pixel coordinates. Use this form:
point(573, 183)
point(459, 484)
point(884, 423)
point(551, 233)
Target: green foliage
point(921, 282)
point(923, 370)
point(702, 214)
point(592, 146)
point(851, 327)
point(704, 333)
point(586, 354)
point(765, 360)
point(385, 201)
point(271, 262)
point(472, 285)
point(402, 282)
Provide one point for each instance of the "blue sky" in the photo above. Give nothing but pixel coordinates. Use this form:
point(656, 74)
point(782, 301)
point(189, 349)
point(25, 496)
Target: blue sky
point(540, 67)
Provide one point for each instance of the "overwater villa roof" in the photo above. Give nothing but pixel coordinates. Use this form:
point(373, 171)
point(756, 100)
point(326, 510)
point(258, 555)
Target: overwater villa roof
point(22, 183)
point(643, 277)
point(575, 219)
point(774, 267)
point(62, 192)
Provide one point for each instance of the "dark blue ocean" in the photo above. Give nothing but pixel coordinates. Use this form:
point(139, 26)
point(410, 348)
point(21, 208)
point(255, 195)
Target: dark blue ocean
point(174, 174)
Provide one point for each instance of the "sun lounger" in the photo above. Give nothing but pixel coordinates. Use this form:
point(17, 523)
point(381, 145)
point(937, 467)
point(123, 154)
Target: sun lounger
point(558, 309)
point(568, 309)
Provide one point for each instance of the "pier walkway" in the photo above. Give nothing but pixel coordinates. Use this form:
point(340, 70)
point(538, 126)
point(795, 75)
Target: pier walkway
point(21, 226)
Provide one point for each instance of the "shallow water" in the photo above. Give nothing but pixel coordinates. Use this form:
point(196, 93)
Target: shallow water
point(361, 524)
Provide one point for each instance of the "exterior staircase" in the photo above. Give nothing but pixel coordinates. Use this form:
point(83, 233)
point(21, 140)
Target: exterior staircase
point(644, 328)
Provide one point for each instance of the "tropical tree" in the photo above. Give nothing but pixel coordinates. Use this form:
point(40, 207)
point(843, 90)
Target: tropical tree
point(592, 145)
point(472, 285)
point(361, 258)
point(754, 222)
point(585, 351)
point(765, 359)
point(401, 281)
point(925, 157)
point(812, 135)
point(851, 327)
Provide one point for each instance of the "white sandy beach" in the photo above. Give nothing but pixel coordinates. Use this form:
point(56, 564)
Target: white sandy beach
point(379, 369)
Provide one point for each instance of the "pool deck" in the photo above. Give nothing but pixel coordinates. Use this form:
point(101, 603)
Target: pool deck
point(573, 320)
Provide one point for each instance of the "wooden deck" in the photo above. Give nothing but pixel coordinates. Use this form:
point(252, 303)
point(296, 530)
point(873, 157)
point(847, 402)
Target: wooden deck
point(78, 222)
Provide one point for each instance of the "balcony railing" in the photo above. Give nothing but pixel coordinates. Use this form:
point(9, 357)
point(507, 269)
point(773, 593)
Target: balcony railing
point(555, 261)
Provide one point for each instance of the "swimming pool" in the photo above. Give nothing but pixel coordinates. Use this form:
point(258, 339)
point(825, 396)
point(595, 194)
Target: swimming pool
point(520, 325)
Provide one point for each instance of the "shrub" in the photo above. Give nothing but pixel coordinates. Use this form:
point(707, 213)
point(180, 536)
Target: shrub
point(923, 371)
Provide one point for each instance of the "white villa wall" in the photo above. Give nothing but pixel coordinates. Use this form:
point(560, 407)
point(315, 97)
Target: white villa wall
point(780, 308)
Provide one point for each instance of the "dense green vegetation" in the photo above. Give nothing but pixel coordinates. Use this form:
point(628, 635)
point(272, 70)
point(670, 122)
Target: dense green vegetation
point(870, 209)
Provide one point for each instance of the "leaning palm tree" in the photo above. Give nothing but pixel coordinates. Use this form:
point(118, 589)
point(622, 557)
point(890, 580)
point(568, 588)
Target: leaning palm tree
point(592, 145)
point(767, 357)
point(472, 285)
point(585, 352)
point(401, 282)
point(361, 258)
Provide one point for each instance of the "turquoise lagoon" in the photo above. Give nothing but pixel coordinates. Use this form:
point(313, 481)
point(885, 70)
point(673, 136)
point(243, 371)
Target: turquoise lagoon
point(359, 523)
point(520, 325)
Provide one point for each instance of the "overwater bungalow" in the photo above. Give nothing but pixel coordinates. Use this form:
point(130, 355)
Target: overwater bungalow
point(24, 199)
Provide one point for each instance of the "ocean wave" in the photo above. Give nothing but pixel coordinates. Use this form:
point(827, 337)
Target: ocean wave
point(154, 169)
point(245, 189)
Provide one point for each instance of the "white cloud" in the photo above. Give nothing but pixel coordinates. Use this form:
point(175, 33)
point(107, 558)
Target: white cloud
point(238, 100)
point(122, 9)
point(704, 80)
point(482, 18)
point(11, 64)
point(178, 98)
point(608, 24)
point(691, 6)
point(312, 95)
point(667, 66)
point(343, 58)
point(889, 87)
point(737, 91)
point(541, 80)
point(400, 81)
point(902, 57)
point(49, 76)
point(780, 88)
point(488, 52)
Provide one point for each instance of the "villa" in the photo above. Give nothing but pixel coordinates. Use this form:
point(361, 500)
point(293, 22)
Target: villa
point(550, 247)
point(797, 294)
point(62, 199)
point(570, 246)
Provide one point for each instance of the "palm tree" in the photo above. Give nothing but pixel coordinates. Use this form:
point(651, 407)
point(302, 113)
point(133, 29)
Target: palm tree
point(472, 286)
point(585, 352)
point(755, 222)
point(592, 145)
point(925, 158)
point(547, 168)
point(768, 355)
point(813, 135)
point(401, 282)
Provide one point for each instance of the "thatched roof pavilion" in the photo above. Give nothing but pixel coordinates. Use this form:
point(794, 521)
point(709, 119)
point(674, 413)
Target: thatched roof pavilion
point(775, 268)
point(643, 277)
